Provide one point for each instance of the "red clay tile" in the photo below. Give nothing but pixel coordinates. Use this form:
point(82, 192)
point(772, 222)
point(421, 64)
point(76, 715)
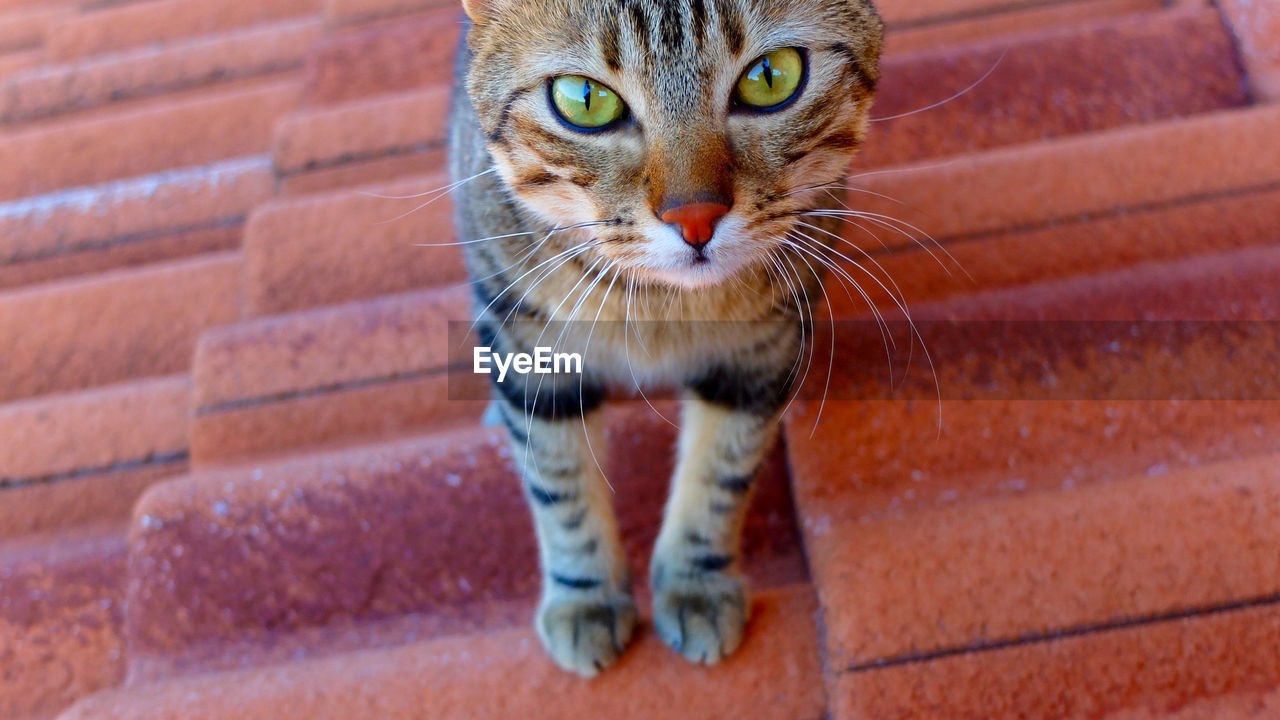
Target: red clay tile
point(127, 143)
point(977, 574)
point(1057, 82)
point(363, 370)
point(1073, 247)
point(25, 29)
point(61, 620)
point(1256, 24)
point(922, 452)
point(774, 675)
point(119, 27)
point(112, 327)
point(962, 28)
point(15, 62)
point(130, 222)
point(1066, 178)
point(1245, 705)
point(909, 12)
point(352, 12)
point(345, 536)
point(61, 504)
point(389, 167)
point(151, 71)
point(391, 57)
point(335, 248)
point(1159, 666)
point(72, 459)
point(362, 131)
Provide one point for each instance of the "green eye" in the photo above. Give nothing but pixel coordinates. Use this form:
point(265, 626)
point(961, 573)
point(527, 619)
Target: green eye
point(584, 103)
point(772, 80)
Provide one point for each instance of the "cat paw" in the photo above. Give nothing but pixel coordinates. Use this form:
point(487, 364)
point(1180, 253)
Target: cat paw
point(705, 621)
point(586, 635)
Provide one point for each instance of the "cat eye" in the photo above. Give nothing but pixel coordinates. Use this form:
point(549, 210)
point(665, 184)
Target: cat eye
point(772, 80)
point(585, 104)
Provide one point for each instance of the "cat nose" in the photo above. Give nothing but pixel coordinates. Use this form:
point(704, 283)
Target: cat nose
point(697, 221)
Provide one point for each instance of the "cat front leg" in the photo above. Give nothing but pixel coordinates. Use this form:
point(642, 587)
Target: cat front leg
point(587, 614)
point(700, 601)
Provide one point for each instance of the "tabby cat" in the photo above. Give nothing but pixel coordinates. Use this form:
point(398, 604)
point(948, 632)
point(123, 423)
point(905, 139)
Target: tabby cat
point(641, 181)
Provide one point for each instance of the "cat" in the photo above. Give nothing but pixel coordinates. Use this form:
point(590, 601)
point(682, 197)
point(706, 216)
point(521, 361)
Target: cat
point(651, 174)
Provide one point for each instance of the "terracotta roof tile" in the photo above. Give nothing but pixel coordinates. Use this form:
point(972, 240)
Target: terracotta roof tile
point(1088, 175)
point(14, 62)
point(774, 675)
point(335, 248)
point(71, 459)
point(125, 143)
point(114, 27)
point(81, 84)
point(272, 524)
point(911, 37)
point(113, 327)
point(61, 617)
point(1161, 664)
point(1043, 563)
point(353, 371)
point(362, 131)
point(1257, 25)
point(128, 222)
point(349, 12)
point(27, 28)
point(385, 58)
point(1075, 246)
point(1061, 81)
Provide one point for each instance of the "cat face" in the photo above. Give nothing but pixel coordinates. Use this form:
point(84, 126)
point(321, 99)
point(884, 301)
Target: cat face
point(688, 133)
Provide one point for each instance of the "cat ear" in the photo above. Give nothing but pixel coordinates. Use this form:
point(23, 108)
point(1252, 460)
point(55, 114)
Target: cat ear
point(479, 10)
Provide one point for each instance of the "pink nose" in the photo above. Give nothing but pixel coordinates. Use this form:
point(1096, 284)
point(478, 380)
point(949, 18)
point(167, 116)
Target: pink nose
point(696, 220)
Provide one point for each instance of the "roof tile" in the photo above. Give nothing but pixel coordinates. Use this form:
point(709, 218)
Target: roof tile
point(269, 526)
point(1256, 24)
point(1057, 82)
point(86, 456)
point(115, 27)
point(148, 71)
point(774, 675)
point(129, 222)
point(126, 143)
point(113, 327)
point(1161, 665)
point(61, 615)
point(334, 248)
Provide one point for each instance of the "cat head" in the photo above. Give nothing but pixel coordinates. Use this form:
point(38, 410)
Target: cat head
point(690, 131)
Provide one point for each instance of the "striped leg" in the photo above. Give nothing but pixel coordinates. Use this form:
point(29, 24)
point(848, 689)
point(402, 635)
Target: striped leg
point(700, 603)
point(587, 613)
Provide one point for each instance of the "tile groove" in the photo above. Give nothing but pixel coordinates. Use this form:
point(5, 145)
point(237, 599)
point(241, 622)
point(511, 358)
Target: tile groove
point(153, 460)
point(1123, 623)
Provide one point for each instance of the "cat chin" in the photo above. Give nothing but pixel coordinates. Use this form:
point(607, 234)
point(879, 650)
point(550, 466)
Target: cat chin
point(695, 277)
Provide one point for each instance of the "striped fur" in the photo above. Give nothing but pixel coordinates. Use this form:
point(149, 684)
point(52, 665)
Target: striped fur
point(565, 248)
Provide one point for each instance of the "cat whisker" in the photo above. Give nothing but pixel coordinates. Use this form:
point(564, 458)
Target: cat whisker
point(846, 280)
point(510, 235)
point(958, 95)
point(445, 188)
point(436, 195)
point(785, 280)
point(626, 351)
point(585, 350)
point(831, 359)
point(887, 221)
point(915, 333)
point(805, 347)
